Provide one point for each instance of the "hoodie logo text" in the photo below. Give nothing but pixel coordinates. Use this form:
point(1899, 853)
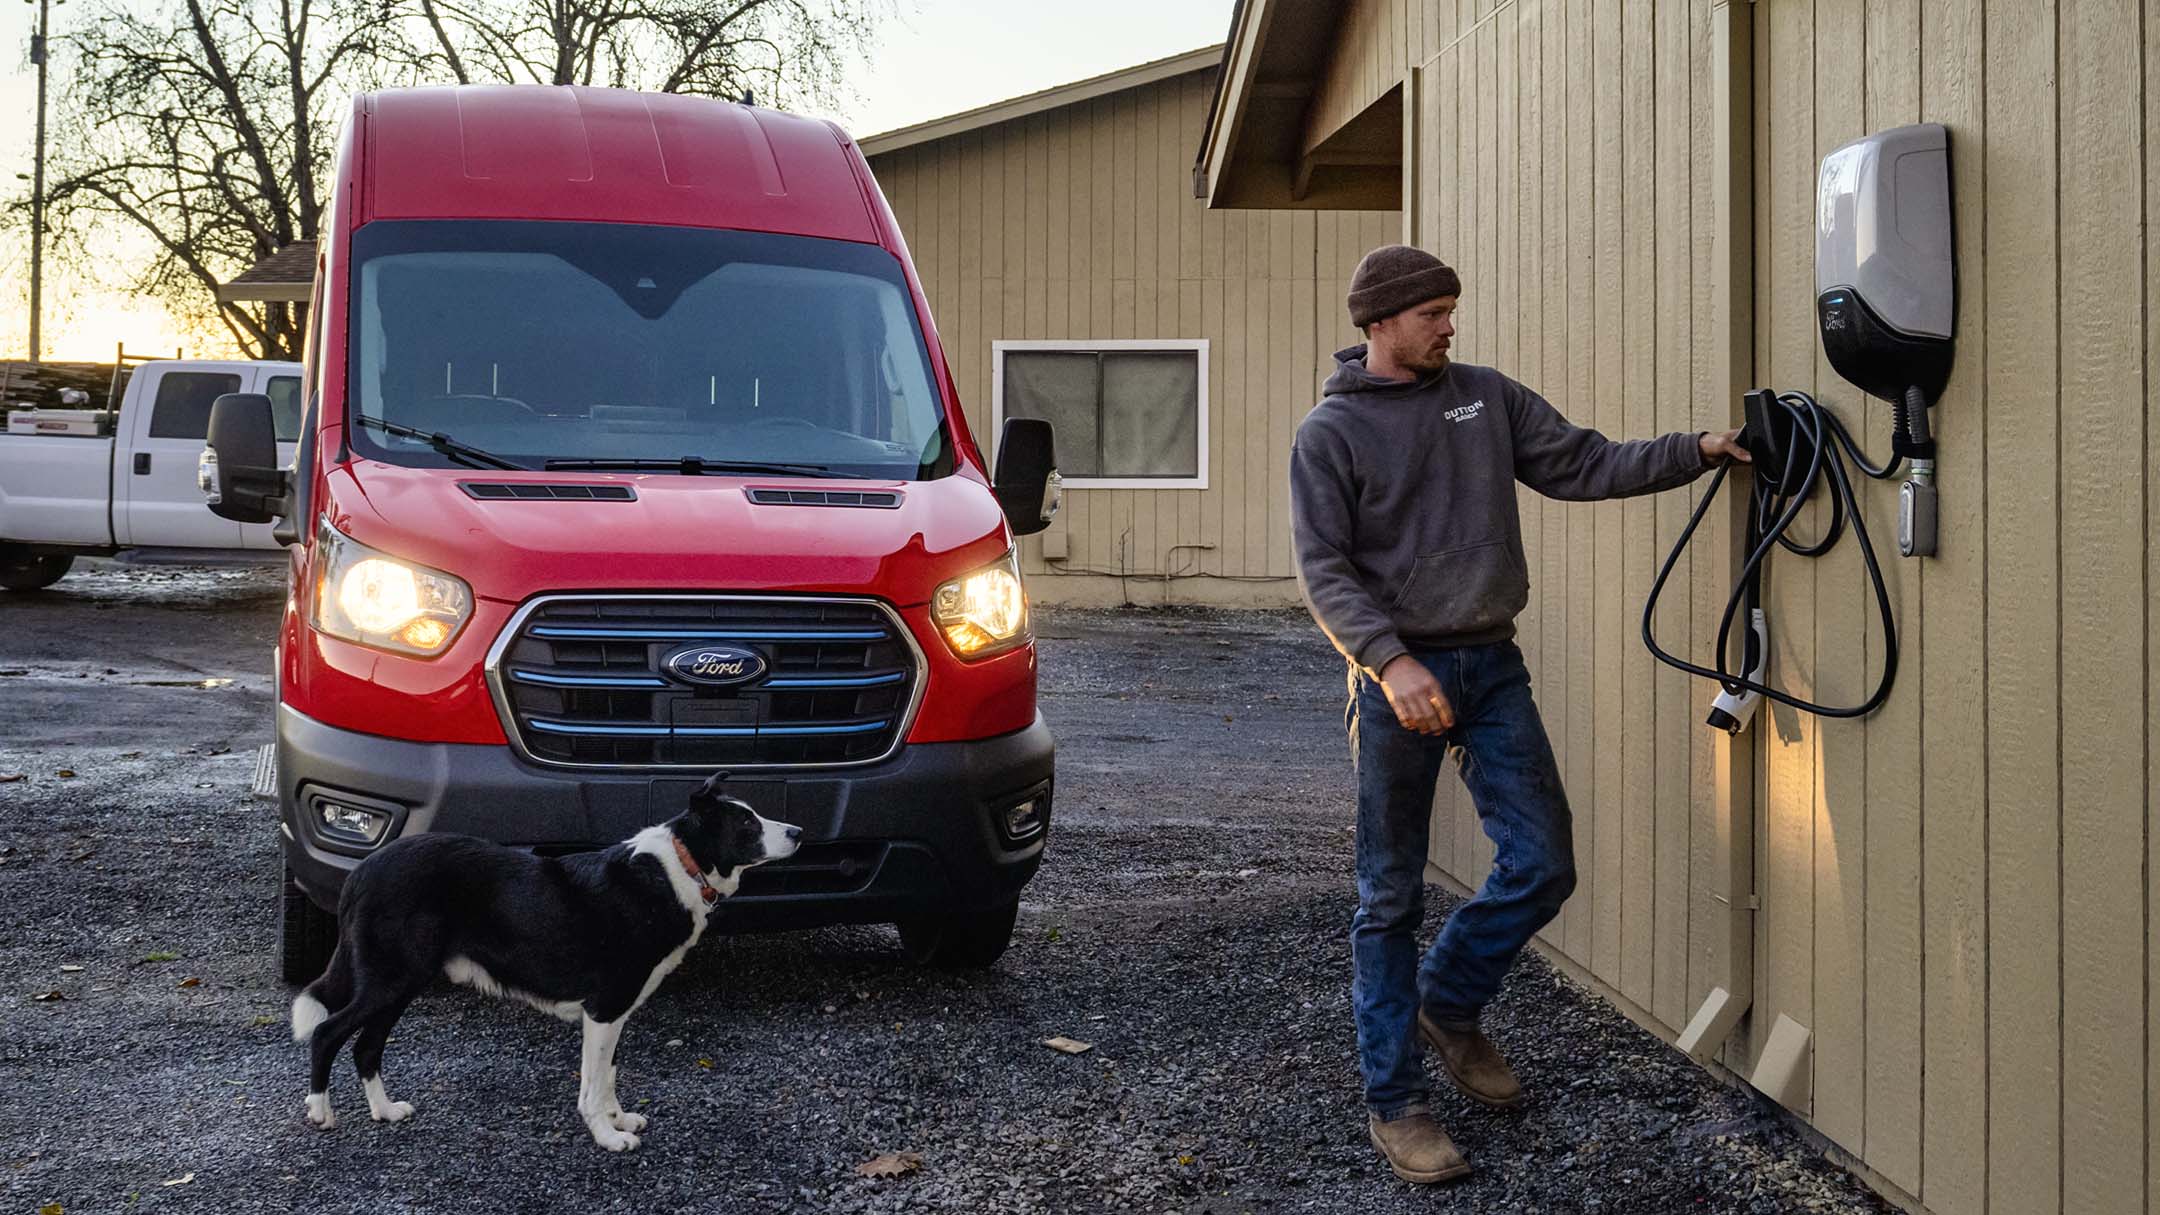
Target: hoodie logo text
point(1464, 413)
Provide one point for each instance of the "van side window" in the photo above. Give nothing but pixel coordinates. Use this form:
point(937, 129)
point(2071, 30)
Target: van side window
point(183, 403)
point(284, 394)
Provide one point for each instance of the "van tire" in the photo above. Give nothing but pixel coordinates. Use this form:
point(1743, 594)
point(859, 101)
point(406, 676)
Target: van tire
point(966, 940)
point(24, 572)
point(307, 934)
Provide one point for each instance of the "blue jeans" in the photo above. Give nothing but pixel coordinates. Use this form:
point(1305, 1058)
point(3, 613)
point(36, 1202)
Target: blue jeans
point(1508, 767)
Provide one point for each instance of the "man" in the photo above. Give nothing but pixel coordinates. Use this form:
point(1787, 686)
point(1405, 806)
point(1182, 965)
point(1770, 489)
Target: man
point(1409, 553)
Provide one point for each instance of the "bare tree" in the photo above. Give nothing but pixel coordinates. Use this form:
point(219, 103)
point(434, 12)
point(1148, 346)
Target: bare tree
point(208, 127)
point(209, 130)
point(788, 51)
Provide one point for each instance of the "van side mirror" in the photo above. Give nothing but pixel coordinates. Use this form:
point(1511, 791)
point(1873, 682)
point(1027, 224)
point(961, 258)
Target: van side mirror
point(1026, 482)
point(238, 471)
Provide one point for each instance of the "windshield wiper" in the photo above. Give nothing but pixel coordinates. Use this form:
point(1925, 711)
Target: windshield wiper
point(697, 466)
point(448, 446)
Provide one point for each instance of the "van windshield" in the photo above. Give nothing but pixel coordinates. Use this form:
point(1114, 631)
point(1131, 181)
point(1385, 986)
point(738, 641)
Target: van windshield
point(541, 341)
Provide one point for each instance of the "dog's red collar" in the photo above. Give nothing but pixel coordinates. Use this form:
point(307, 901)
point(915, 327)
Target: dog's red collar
point(690, 866)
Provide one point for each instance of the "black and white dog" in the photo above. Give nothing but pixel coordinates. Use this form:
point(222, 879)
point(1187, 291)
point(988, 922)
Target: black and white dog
point(586, 937)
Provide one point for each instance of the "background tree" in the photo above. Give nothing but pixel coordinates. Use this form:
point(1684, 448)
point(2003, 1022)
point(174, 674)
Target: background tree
point(788, 52)
point(208, 130)
point(207, 126)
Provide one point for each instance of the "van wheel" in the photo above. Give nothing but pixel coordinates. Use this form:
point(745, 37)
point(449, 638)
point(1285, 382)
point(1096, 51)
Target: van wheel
point(965, 940)
point(307, 934)
point(23, 572)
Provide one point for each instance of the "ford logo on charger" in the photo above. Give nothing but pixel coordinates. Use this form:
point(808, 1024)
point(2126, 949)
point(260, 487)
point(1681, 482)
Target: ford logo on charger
point(716, 666)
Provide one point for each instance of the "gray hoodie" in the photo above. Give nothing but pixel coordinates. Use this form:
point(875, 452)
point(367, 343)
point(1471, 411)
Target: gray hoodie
point(1402, 501)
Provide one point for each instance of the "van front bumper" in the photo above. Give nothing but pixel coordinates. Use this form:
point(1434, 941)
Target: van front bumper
point(920, 833)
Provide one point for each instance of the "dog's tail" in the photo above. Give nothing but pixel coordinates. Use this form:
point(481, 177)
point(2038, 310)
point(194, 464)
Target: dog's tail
point(333, 990)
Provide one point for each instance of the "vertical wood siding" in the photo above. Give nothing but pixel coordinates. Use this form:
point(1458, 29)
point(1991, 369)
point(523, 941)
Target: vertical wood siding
point(1955, 893)
point(1078, 224)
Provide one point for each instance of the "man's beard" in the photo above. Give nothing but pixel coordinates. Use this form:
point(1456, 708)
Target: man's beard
point(1427, 364)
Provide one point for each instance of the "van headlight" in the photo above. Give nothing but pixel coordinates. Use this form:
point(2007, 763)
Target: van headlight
point(984, 612)
point(377, 600)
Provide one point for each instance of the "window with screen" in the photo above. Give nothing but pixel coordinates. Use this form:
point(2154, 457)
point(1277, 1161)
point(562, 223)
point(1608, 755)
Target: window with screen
point(184, 398)
point(1125, 414)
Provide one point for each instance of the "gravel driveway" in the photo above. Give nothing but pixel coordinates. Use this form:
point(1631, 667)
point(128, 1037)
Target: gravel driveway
point(1189, 922)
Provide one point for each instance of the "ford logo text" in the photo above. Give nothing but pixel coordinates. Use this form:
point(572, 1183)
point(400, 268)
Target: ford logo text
point(716, 666)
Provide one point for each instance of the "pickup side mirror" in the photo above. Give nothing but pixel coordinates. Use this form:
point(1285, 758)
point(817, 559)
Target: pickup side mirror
point(1026, 483)
point(238, 470)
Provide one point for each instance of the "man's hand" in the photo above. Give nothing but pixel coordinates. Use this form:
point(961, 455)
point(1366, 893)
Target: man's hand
point(1416, 696)
point(1718, 449)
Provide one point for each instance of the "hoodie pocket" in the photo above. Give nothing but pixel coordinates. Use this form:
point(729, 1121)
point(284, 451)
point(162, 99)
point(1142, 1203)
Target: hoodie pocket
point(1462, 590)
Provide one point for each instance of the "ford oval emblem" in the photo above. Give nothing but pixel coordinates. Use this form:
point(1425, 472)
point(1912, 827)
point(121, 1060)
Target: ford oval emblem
point(716, 666)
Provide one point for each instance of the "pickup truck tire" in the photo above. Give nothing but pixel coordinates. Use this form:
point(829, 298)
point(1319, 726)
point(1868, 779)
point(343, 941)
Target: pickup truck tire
point(307, 934)
point(21, 572)
point(960, 941)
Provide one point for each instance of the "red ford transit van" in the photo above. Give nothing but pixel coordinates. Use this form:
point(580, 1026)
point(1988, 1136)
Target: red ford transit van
point(630, 455)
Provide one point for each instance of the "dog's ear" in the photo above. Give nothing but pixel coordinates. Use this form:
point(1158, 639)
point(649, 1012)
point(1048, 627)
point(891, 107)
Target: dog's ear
point(709, 792)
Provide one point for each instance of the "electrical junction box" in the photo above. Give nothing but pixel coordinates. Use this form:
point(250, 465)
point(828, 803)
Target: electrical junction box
point(1885, 275)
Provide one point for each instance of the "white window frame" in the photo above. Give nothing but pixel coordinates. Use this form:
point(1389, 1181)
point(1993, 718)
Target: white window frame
point(1197, 345)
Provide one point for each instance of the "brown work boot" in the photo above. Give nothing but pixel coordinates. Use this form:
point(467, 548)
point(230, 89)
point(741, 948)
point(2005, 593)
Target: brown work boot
point(1416, 1148)
point(1472, 1062)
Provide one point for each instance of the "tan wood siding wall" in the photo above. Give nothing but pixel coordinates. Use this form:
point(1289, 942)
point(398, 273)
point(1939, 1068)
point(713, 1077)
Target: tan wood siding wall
point(1955, 893)
point(1079, 224)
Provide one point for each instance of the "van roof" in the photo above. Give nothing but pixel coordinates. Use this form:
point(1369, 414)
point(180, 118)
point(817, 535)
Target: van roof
point(606, 155)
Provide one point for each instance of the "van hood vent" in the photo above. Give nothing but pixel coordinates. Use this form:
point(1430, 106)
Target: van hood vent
point(546, 491)
point(878, 499)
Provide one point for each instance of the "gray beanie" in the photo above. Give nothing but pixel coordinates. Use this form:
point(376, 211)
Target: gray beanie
point(1394, 277)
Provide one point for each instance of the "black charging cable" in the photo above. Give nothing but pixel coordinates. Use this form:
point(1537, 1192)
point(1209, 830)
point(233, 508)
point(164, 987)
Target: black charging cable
point(1796, 444)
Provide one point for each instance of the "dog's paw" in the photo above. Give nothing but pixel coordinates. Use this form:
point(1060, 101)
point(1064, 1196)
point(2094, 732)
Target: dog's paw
point(392, 1111)
point(626, 1121)
point(319, 1112)
point(613, 1140)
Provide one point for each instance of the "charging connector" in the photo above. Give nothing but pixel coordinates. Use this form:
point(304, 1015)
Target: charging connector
point(1735, 706)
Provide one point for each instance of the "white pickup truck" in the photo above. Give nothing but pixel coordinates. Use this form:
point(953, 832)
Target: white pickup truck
point(129, 489)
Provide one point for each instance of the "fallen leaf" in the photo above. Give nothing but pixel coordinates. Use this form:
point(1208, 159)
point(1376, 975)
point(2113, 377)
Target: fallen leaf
point(52, 1208)
point(162, 957)
point(181, 1180)
point(50, 996)
point(1070, 1046)
point(705, 1063)
point(191, 981)
point(891, 1164)
point(1185, 1160)
point(65, 773)
point(265, 1020)
point(9, 778)
point(69, 968)
point(1227, 717)
point(131, 755)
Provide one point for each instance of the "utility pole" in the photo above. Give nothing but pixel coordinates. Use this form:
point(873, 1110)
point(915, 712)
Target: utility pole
point(38, 56)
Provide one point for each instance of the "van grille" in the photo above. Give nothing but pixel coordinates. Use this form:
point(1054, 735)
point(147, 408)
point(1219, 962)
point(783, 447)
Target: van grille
point(580, 681)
